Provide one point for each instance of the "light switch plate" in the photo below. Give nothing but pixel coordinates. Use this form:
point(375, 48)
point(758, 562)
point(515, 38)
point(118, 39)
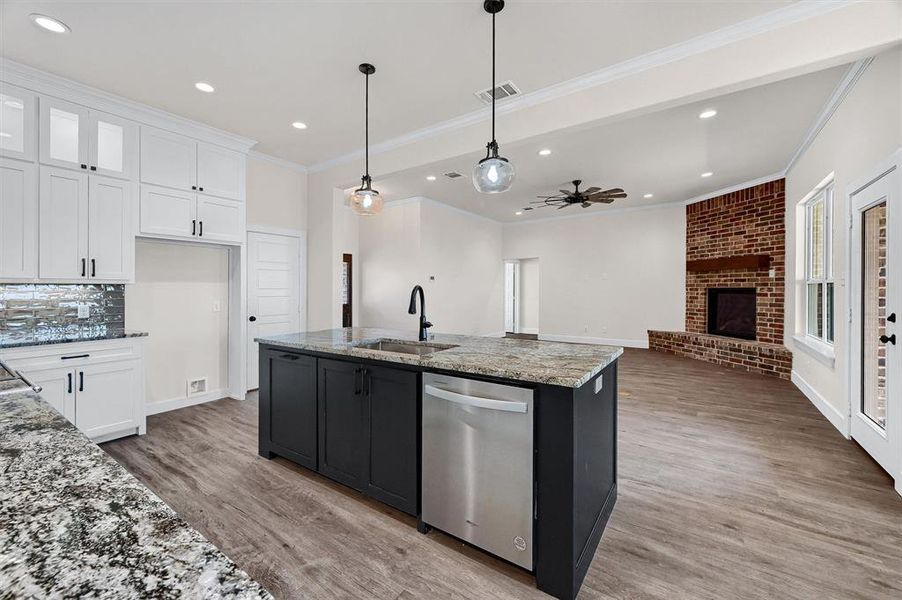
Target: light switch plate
point(84, 311)
point(599, 383)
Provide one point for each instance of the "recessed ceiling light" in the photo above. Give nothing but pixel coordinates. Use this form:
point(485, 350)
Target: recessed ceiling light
point(544, 152)
point(204, 87)
point(430, 178)
point(13, 104)
point(707, 174)
point(648, 196)
point(299, 125)
point(3, 134)
point(707, 114)
point(519, 212)
point(49, 23)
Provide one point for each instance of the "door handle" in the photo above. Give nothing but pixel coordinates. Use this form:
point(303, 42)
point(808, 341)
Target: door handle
point(891, 339)
point(69, 391)
point(252, 318)
point(81, 381)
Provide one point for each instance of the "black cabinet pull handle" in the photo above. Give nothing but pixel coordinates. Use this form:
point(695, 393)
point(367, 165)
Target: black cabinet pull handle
point(201, 189)
point(252, 318)
point(357, 377)
point(93, 267)
point(367, 383)
point(194, 227)
point(84, 267)
point(201, 234)
point(84, 166)
point(891, 318)
point(70, 383)
point(289, 357)
point(891, 339)
point(74, 356)
point(193, 187)
point(93, 168)
point(81, 381)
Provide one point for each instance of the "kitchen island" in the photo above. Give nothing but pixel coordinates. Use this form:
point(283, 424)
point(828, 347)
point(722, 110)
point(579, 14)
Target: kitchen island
point(349, 404)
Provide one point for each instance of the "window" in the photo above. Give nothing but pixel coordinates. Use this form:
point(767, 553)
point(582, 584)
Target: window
point(819, 264)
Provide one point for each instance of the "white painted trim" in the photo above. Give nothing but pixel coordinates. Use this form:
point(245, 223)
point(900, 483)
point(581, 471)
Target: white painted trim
point(268, 229)
point(155, 408)
point(579, 339)
point(529, 330)
point(79, 93)
point(275, 160)
point(793, 13)
point(495, 334)
point(836, 418)
point(842, 90)
point(820, 351)
point(735, 188)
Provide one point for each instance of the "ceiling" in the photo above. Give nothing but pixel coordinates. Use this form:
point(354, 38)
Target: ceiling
point(274, 62)
point(754, 134)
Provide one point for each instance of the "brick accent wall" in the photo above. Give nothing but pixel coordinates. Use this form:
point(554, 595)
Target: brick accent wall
point(757, 357)
point(749, 221)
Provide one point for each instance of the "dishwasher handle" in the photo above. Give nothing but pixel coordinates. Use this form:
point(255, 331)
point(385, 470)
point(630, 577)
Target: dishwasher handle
point(504, 405)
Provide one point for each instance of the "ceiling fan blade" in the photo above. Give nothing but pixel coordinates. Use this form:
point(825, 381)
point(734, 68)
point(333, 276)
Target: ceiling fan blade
point(602, 195)
point(613, 191)
point(566, 192)
point(586, 204)
point(592, 190)
point(605, 200)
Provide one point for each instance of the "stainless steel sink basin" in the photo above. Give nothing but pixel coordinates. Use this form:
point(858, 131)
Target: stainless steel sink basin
point(403, 347)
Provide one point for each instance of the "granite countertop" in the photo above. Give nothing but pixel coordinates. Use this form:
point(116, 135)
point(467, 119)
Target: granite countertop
point(44, 337)
point(553, 363)
point(74, 523)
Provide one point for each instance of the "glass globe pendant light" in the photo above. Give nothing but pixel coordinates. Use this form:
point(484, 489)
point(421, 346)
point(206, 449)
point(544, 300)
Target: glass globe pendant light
point(365, 200)
point(493, 174)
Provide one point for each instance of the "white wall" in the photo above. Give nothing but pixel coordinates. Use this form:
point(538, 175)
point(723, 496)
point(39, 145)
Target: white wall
point(172, 298)
point(607, 277)
point(276, 194)
point(864, 130)
point(413, 240)
point(529, 295)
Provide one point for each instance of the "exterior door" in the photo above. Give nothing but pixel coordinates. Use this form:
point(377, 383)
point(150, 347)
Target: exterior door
point(111, 241)
point(273, 292)
point(63, 224)
point(876, 358)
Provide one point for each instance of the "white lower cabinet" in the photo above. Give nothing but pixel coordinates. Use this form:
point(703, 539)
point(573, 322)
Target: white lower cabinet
point(98, 386)
point(175, 214)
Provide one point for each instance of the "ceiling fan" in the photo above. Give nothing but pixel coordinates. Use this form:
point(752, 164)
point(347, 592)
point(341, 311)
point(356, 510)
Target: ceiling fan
point(585, 198)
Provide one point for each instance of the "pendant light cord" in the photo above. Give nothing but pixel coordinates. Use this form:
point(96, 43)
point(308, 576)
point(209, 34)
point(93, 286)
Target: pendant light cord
point(366, 118)
point(493, 78)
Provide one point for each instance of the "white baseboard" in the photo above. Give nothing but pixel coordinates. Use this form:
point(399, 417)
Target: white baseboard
point(578, 339)
point(530, 330)
point(836, 418)
point(162, 406)
point(494, 334)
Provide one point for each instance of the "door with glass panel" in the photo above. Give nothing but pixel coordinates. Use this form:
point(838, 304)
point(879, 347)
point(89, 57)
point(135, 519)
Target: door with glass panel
point(876, 360)
point(65, 134)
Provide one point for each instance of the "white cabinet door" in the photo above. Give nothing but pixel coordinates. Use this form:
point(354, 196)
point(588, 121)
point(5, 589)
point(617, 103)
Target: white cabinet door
point(220, 172)
point(168, 212)
point(17, 130)
point(111, 240)
point(18, 220)
point(65, 134)
point(168, 159)
point(59, 389)
point(105, 397)
point(114, 145)
point(63, 224)
point(220, 220)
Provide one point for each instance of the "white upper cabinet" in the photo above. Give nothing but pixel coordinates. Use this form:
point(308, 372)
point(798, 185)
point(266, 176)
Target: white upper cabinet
point(168, 159)
point(17, 114)
point(170, 213)
point(111, 239)
point(220, 220)
point(18, 220)
point(220, 172)
point(65, 134)
point(113, 145)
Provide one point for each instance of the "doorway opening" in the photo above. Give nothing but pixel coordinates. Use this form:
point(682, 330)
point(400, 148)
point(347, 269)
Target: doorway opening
point(347, 290)
point(521, 298)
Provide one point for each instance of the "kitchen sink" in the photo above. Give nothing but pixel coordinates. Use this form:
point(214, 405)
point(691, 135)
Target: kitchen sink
point(404, 347)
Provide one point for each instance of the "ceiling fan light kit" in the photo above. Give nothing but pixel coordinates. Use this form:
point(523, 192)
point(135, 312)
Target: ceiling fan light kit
point(366, 201)
point(493, 174)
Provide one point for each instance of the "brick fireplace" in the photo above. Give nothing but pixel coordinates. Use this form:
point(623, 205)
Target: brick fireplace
point(735, 256)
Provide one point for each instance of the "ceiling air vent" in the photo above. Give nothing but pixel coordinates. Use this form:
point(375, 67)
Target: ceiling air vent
point(453, 175)
point(503, 90)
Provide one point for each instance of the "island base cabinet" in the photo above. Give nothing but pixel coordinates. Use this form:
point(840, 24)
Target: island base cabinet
point(288, 419)
point(342, 423)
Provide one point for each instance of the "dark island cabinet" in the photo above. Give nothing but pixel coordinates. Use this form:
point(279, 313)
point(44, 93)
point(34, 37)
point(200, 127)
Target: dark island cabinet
point(288, 418)
point(354, 422)
point(343, 427)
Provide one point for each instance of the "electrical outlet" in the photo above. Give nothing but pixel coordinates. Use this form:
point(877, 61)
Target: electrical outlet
point(84, 311)
point(196, 386)
point(216, 306)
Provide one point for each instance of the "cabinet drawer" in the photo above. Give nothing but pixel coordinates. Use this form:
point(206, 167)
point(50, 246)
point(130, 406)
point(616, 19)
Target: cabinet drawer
point(70, 355)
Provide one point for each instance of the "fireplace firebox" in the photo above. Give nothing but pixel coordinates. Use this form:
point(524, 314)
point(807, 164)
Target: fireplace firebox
point(732, 312)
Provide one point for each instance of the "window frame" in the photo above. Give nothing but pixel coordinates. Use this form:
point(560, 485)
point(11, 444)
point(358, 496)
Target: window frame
point(823, 194)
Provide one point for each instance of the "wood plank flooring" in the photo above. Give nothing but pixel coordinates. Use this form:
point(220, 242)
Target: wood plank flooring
point(732, 485)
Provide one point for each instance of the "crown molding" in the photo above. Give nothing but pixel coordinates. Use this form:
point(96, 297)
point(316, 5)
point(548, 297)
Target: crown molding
point(735, 188)
point(49, 84)
point(843, 88)
point(793, 13)
point(275, 160)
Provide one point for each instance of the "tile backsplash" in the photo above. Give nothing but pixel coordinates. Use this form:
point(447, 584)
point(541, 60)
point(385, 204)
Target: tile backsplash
point(30, 312)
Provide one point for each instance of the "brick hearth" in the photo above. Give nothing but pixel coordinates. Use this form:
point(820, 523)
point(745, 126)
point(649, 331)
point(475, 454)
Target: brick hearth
point(742, 228)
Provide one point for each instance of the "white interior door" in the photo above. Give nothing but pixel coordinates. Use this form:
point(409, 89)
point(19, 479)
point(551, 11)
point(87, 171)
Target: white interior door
point(876, 359)
point(273, 291)
point(512, 296)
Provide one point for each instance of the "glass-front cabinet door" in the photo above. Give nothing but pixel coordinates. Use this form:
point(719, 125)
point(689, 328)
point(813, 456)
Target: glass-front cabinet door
point(113, 145)
point(17, 131)
point(65, 134)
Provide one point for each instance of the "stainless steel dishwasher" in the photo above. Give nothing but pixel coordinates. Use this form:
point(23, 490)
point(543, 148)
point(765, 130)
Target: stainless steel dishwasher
point(478, 464)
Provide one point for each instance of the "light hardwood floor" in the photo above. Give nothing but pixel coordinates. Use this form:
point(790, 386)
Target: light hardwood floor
point(732, 485)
